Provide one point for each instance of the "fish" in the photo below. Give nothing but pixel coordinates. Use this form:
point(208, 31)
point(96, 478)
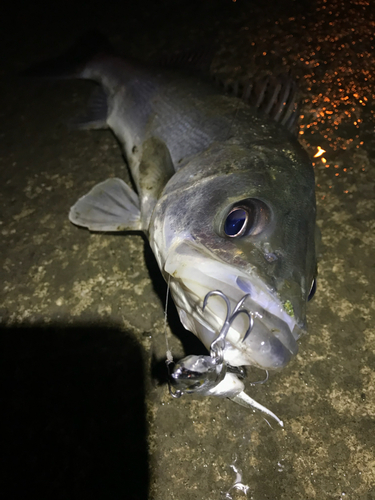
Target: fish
point(224, 192)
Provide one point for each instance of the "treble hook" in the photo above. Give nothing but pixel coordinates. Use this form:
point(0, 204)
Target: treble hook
point(217, 345)
point(201, 374)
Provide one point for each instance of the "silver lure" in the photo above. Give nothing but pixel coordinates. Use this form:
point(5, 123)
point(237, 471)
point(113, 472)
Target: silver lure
point(204, 374)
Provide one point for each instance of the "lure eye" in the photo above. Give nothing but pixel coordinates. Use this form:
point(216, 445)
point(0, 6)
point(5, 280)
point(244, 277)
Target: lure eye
point(236, 222)
point(312, 290)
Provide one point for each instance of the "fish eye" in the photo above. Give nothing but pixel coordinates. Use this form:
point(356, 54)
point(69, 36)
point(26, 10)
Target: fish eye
point(312, 290)
point(249, 216)
point(236, 222)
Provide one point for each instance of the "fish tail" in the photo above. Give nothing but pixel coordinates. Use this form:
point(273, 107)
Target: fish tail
point(72, 63)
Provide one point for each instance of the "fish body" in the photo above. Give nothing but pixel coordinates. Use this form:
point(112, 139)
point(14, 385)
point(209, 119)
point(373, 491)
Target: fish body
point(226, 197)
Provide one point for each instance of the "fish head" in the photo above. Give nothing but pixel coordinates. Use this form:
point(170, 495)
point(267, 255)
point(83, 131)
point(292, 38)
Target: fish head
point(242, 221)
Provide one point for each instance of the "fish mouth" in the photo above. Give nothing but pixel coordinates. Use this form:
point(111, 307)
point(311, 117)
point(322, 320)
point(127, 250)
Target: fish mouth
point(194, 271)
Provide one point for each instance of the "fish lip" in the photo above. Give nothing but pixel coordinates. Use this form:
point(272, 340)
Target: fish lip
point(194, 272)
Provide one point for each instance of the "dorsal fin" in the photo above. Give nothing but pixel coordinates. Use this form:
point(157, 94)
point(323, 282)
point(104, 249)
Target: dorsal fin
point(196, 59)
point(273, 96)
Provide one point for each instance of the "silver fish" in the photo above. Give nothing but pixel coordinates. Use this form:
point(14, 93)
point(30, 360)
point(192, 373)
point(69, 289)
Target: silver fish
point(225, 195)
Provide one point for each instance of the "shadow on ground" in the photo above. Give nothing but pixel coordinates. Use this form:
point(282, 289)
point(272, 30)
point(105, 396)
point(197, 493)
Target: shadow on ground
point(73, 410)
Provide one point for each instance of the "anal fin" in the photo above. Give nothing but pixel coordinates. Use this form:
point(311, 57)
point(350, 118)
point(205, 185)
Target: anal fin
point(110, 206)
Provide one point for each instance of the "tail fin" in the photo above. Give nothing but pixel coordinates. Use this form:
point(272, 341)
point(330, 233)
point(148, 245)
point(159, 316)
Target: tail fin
point(72, 63)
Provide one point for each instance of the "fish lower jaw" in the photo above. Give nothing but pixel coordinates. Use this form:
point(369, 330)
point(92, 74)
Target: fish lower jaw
point(194, 272)
point(265, 347)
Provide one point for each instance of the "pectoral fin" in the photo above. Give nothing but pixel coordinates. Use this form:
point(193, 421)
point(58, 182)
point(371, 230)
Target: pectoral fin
point(155, 170)
point(110, 206)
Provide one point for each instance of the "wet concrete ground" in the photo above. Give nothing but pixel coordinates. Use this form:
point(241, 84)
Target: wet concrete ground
point(82, 314)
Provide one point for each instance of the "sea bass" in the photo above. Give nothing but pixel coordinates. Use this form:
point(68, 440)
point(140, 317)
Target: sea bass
point(225, 195)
